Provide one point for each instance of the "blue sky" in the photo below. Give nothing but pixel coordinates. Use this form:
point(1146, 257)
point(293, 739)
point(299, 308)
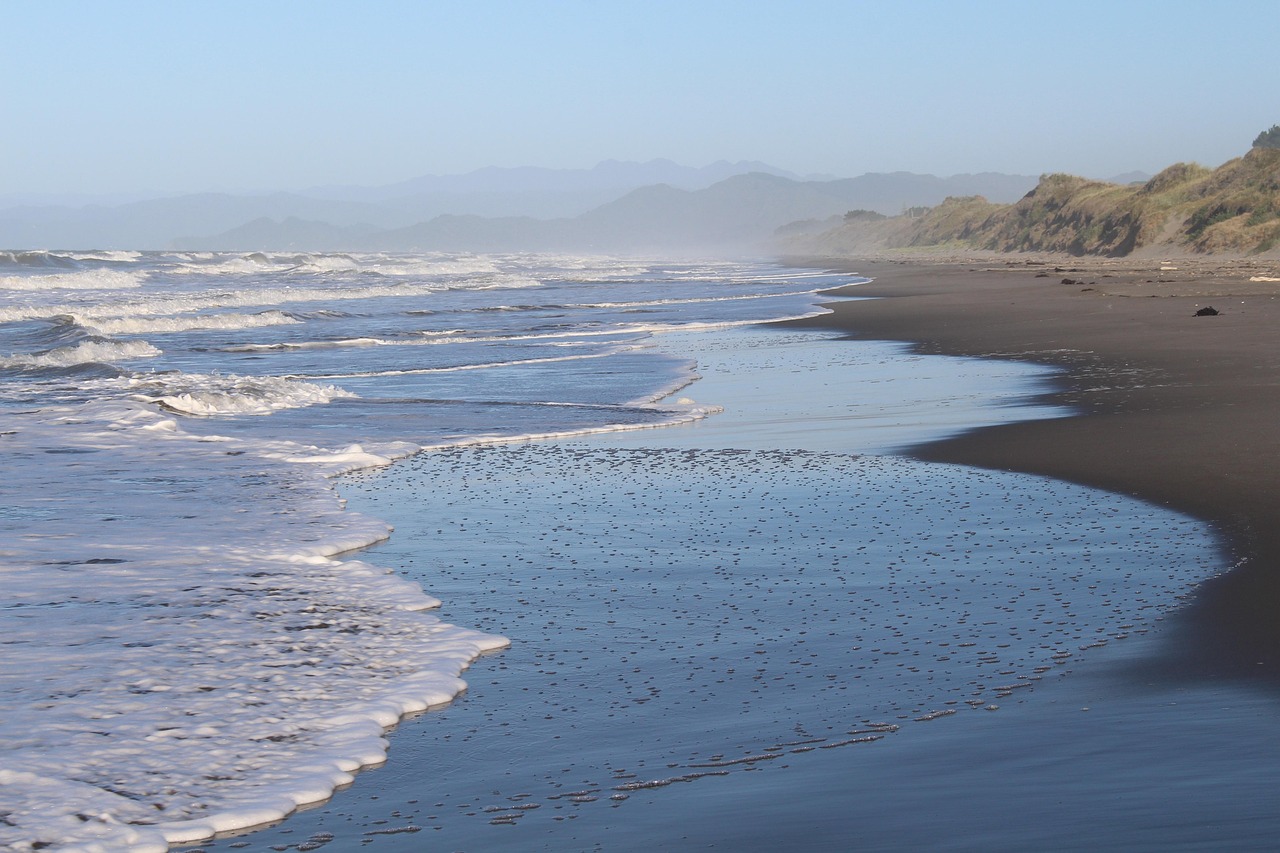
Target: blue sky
point(185, 96)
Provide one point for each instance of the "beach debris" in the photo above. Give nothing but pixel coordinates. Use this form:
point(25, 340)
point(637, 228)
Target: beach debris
point(1208, 311)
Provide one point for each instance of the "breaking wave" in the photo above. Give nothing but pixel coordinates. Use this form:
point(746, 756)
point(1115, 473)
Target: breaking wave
point(85, 352)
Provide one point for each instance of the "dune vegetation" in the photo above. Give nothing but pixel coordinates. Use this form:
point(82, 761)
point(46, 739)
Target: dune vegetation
point(1187, 208)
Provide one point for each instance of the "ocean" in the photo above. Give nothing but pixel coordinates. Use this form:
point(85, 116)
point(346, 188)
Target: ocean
point(681, 549)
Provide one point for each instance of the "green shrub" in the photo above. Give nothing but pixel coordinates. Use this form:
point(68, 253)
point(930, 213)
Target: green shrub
point(1268, 138)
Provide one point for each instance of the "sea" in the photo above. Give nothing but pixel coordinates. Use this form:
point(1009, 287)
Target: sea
point(262, 510)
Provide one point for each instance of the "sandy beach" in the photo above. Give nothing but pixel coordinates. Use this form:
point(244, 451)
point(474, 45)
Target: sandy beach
point(1175, 408)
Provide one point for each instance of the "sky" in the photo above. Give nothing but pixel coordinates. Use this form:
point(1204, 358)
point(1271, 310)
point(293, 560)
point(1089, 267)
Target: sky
point(183, 96)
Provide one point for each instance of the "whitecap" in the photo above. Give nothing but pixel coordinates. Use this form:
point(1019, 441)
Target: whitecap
point(85, 352)
point(96, 279)
point(162, 325)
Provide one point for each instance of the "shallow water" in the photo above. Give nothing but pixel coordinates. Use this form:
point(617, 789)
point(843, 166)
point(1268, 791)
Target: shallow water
point(187, 646)
point(747, 649)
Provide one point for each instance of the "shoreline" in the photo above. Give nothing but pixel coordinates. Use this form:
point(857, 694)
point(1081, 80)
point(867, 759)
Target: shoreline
point(549, 740)
point(1172, 408)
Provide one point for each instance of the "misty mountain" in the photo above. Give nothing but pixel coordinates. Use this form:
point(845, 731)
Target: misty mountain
point(158, 223)
point(503, 210)
point(161, 223)
point(610, 176)
point(740, 213)
point(540, 204)
point(290, 234)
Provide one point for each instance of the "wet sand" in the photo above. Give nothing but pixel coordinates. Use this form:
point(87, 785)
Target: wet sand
point(1177, 409)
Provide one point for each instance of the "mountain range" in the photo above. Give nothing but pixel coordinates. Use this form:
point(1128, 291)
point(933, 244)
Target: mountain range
point(618, 207)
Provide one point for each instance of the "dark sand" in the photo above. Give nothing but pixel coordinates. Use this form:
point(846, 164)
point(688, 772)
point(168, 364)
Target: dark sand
point(1177, 409)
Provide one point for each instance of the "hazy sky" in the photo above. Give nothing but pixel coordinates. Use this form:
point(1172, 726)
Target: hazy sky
point(161, 96)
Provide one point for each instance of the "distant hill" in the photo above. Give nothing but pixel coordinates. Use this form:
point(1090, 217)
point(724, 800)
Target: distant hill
point(737, 214)
point(714, 208)
point(160, 223)
point(1186, 208)
point(531, 191)
point(294, 234)
point(615, 176)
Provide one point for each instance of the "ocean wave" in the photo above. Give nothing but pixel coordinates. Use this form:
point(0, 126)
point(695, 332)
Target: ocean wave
point(160, 305)
point(392, 266)
point(572, 337)
point(212, 396)
point(640, 303)
point(168, 661)
point(110, 255)
point(46, 334)
point(310, 345)
point(37, 260)
point(218, 264)
point(161, 325)
point(85, 352)
point(454, 368)
point(228, 534)
point(91, 279)
point(692, 300)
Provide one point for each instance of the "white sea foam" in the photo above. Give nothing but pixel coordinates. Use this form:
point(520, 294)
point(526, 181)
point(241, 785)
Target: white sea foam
point(684, 411)
point(107, 255)
point(163, 325)
point(648, 303)
point(442, 265)
point(204, 263)
point(454, 368)
point(456, 336)
point(306, 345)
point(400, 265)
point(214, 395)
point(184, 651)
point(258, 297)
point(162, 305)
point(203, 663)
point(95, 279)
point(85, 352)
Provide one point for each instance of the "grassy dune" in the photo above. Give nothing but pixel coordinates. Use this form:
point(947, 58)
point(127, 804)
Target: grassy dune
point(1234, 209)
